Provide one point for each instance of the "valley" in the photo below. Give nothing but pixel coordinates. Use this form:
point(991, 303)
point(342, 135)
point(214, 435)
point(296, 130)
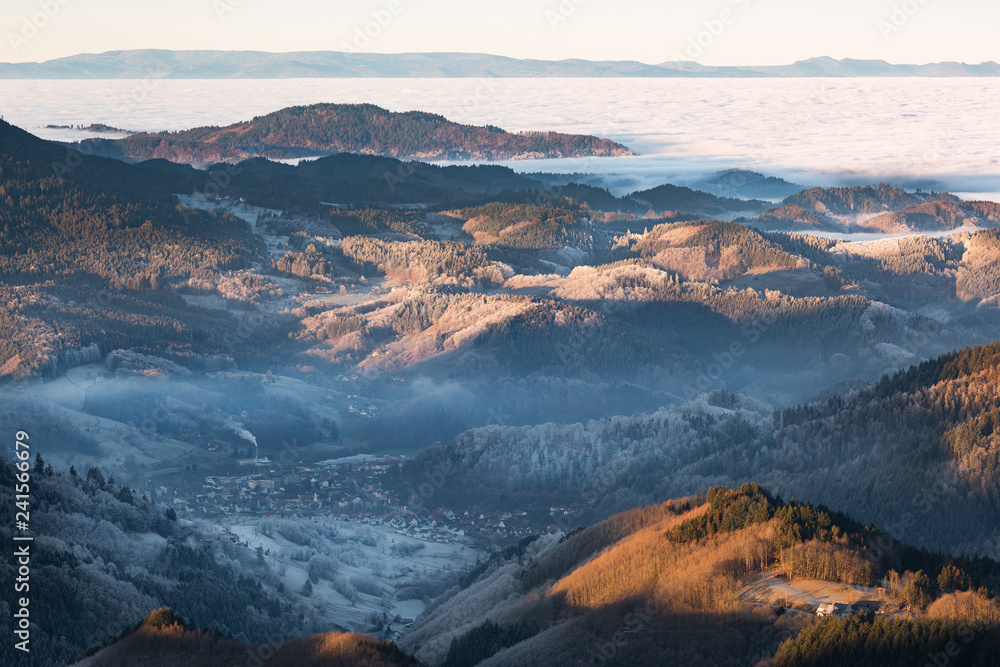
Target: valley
point(446, 405)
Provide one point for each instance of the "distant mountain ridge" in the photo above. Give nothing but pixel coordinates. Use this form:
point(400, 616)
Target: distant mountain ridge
point(155, 63)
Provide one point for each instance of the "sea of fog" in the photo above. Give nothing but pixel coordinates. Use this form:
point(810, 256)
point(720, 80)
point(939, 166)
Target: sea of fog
point(913, 132)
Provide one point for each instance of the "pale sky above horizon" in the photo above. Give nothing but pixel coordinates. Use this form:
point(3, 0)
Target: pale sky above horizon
point(717, 32)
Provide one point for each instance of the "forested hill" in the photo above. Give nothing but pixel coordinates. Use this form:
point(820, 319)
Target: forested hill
point(66, 213)
point(916, 455)
point(164, 639)
point(361, 181)
point(877, 208)
point(24, 157)
point(689, 583)
point(85, 244)
point(325, 129)
point(108, 555)
point(857, 199)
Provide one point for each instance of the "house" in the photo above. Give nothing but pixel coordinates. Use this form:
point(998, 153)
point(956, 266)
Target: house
point(836, 609)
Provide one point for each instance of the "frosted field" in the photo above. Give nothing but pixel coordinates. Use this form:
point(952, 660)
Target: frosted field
point(817, 131)
point(361, 572)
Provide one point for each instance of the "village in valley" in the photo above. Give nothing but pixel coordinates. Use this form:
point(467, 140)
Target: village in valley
point(363, 489)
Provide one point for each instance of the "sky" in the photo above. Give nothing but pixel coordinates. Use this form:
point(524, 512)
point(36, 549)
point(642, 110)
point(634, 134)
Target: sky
point(713, 32)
